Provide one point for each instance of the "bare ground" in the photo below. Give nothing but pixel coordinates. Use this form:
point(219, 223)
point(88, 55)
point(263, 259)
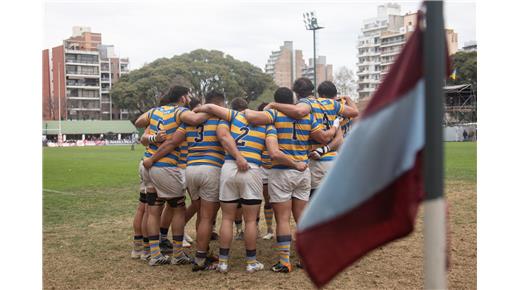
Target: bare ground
point(97, 255)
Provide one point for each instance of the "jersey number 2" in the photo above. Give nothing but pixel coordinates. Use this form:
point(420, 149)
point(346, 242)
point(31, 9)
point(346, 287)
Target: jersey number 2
point(244, 131)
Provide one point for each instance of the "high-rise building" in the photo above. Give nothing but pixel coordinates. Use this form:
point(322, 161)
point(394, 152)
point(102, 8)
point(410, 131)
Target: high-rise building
point(323, 70)
point(78, 76)
point(287, 64)
point(381, 41)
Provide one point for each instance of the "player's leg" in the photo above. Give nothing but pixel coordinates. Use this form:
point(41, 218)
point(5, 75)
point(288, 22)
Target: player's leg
point(239, 233)
point(251, 208)
point(301, 192)
point(166, 220)
point(268, 214)
point(229, 209)
point(155, 206)
point(144, 229)
point(138, 218)
point(282, 213)
point(207, 212)
point(178, 223)
point(280, 189)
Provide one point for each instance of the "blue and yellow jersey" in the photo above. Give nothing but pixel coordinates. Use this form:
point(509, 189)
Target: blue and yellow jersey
point(153, 115)
point(325, 111)
point(294, 135)
point(183, 154)
point(346, 123)
point(166, 118)
point(266, 159)
point(203, 145)
point(250, 139)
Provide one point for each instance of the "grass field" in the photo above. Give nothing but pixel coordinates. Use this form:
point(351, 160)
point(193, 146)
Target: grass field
point(90, 195)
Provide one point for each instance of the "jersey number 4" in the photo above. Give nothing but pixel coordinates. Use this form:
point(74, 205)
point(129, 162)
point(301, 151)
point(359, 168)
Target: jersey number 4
point(244, 131)
point(200, 136)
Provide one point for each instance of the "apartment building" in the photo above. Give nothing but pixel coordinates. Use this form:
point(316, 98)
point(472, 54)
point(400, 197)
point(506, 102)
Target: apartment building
point(78, 76)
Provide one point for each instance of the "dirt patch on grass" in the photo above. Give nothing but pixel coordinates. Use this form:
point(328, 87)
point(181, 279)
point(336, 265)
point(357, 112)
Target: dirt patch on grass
point(98, 256)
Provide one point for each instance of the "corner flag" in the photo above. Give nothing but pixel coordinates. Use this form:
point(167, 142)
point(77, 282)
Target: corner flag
point(371, 194)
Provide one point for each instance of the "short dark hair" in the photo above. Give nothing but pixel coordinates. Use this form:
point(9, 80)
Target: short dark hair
point(327, 89)
point(284, 95)
point(175, 93)
point(194, 102)
point(215, 97)
point(262, 106)
point(164, 101)
point(238, 104)
point(303, 87)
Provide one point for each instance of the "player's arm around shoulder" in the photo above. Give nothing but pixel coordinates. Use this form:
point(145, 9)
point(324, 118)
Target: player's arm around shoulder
point(271, 142)
point(295, 111)
point(349, 109)
point(260, 118)
point(215, 110)
point(192, 118)
point(144, 120)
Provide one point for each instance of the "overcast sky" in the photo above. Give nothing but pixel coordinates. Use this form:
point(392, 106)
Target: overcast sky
point(145, 31)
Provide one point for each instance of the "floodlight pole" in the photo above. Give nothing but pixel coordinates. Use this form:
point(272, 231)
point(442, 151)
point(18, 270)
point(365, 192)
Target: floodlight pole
point(311, 23)
point(434, 51)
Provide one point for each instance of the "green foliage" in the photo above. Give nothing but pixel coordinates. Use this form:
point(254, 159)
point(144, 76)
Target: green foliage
point(201, 70)
point(466, 65)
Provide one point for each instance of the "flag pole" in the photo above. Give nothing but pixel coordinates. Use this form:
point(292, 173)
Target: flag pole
point(434, 206)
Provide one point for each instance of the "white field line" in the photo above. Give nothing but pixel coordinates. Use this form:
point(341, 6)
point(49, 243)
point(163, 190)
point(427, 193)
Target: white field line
point(56, 191)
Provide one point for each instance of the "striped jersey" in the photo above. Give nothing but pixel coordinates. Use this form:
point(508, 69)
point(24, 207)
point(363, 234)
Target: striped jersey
point(183, 154)
point(203, 145)
point(250, 139)
point(152, 127)
point(325, 111)
point(166, 118)
point(346, 123)
point(294, 135)
point(266, 160)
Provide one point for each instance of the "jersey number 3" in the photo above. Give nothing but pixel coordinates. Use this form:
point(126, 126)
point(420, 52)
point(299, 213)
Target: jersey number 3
point(244, 131)
point(200, 133)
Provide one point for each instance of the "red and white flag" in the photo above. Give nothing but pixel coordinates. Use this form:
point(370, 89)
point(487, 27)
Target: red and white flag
point(371, 194)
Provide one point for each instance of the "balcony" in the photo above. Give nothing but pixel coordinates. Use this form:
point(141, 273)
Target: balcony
point(392, 43)
point(105, 80)
point(81, 62)
point(105, 90)
point(390, 53)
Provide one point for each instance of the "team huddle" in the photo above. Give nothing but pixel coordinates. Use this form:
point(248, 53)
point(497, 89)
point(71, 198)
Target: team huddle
point(232, 159)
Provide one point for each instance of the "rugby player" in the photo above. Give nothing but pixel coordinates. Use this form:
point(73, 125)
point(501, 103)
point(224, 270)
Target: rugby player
point(289, 189)
point(241, 178)
point(268, 209)
point(167, 178)
point(325, 110)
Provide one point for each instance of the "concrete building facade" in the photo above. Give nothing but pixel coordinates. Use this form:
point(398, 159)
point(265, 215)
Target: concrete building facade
point(78, 76)
point(287, 64)
point(381, 41)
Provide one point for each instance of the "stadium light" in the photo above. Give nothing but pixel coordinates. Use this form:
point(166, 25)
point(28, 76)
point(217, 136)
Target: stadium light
point(311, 23)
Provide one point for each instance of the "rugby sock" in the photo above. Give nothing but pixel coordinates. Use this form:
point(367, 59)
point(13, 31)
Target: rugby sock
point(164, 233)
point(177, 246)
point(283, 245)
point(268, 215)
point(146, 244)
point(250, 256)
point(138, 243)
point(155, 251)
point(238, 224)
point(223, 256)
point(200, 258)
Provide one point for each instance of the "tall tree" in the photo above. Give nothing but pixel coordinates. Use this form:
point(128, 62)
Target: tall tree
point(345, 82)
point(201, 70)
point(465, 63)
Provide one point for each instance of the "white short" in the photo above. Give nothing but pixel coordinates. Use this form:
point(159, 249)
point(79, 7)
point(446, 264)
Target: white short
point(167, 182)
point(235, 185)
point(265, 175)
point(203, 182)
point(146, 184)
point(318, 171)
point(183, 172)
point(285, 184)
